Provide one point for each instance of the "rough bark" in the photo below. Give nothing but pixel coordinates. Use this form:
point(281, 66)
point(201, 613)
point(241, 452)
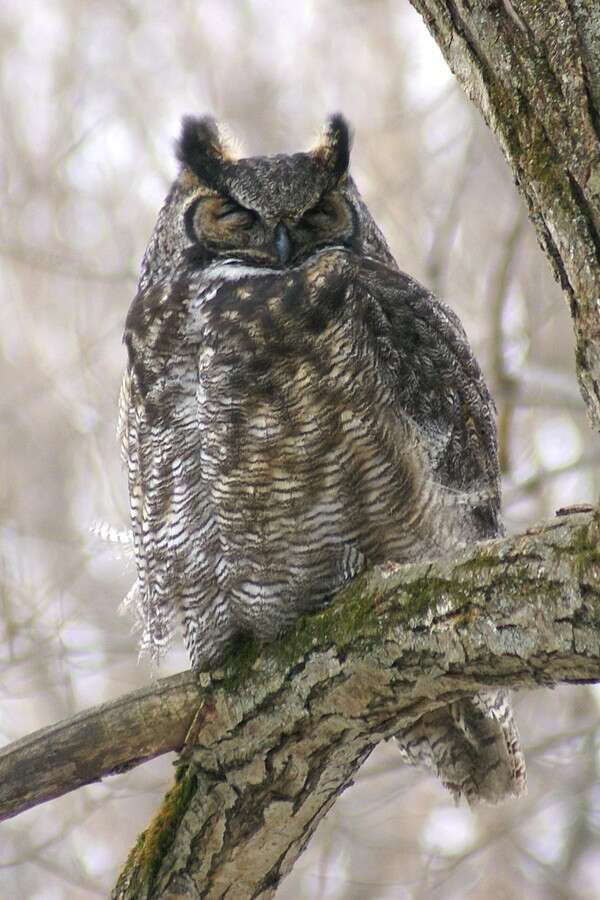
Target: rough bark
point(533, 69)
point(273, 738)
point(279, 737)
point(405, 605)
point(116, 736)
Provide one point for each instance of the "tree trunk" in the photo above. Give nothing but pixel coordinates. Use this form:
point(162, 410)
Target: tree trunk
point(533, 69)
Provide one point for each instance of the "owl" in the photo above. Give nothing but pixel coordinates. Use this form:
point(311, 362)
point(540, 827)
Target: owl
point(296, 409)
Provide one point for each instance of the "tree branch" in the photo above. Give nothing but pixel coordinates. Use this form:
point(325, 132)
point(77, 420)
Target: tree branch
point(101, 741)
point(280, 735)
point(277, 734)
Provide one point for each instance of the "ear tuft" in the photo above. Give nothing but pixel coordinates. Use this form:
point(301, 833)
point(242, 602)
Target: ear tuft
point(200, 148)
point(334, 147)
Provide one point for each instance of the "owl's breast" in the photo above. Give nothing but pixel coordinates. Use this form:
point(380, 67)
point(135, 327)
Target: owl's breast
point(303, 451)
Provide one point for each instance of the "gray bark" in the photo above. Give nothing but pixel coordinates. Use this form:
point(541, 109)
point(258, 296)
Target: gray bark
point(533, 69)
point(272, 739)
point(416, 618)
point(275, 742)
point(106, 740)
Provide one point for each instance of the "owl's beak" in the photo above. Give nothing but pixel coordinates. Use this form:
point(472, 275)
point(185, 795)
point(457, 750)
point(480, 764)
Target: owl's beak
point(283, 244)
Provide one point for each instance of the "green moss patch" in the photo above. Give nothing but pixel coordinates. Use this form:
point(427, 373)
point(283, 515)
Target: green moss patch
point(153, 844)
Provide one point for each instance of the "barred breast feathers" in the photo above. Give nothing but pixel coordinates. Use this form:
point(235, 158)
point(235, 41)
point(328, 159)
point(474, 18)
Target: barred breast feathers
point(308, 354)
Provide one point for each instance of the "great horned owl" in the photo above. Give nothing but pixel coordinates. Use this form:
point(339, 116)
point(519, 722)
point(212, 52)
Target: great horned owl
point(295, 409)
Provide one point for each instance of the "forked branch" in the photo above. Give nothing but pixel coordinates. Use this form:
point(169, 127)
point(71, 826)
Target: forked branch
point(277, 734)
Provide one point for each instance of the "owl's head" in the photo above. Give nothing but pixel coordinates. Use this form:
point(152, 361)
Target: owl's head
point(273, 211)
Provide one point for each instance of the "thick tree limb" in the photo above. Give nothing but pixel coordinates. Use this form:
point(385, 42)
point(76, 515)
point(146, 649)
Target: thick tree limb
point(276, 745)
point(102, 741)
point(280, 733)
point(533, 69)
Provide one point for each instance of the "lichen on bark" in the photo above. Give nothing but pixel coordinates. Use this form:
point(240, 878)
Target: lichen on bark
point(280, 739)
point(533, 71)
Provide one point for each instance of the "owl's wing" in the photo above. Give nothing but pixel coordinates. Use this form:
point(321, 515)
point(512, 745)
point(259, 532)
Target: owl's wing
point(473, 745)
point(437, 382)
point(160, 442)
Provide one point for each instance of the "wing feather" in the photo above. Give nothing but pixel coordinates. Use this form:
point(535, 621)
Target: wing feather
point(439, 384)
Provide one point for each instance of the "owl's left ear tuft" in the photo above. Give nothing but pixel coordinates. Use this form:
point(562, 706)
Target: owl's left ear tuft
point(334, 147)
point(201, 148)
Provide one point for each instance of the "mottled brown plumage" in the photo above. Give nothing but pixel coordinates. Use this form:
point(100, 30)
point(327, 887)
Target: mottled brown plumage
point(295, 409)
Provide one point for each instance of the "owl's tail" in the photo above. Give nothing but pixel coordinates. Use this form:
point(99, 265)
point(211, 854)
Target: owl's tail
point(472, 746)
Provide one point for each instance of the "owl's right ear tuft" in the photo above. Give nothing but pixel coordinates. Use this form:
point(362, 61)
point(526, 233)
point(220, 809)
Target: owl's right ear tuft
point(334, 146)
point(201, 148)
